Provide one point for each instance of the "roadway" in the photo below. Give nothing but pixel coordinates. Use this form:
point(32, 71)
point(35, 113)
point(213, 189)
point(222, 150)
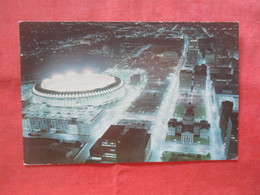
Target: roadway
point(166, 110)
point(111, 116)
point(216, 145)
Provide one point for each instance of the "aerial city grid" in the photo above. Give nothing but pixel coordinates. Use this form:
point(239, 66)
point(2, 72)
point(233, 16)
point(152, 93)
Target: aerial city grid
point(107, 92)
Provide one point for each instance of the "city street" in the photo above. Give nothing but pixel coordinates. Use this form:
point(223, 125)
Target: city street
point(139, 75)
point(216, 145)
point(166, 111)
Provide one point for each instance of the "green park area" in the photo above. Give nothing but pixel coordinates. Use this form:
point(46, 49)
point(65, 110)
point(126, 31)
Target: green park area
point(171, 138)
point(177, 138)
point(199, 111)
point(178, 156)
point(201, 141)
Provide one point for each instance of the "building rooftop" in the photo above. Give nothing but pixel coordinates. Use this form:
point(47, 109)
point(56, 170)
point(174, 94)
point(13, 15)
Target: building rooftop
point(173, 122)
point(234, 120)
point(136, 132)
point(200, 70)
point(186, 71)
point(187, 128)
point(220, 76)
point(113, 132)
point(95, 150)
point(189, 111)
point(228, 90)
point(171, 54)
point(220, 70)
point(204, 124)
point(132, 145)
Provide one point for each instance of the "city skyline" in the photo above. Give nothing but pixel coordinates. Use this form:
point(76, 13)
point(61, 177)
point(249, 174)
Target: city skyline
point(96, 92)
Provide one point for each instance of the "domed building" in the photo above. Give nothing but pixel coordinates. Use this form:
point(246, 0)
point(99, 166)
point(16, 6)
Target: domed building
point(78, 90)
point(70, 103)
point(188, 129)
point(188, 118)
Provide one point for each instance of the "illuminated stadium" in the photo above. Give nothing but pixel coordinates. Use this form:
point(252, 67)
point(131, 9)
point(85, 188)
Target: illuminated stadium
point(77, 90)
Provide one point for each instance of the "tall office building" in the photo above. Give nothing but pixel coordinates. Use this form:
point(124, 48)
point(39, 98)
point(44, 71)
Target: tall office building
point(199, 81)
point(185, 81)
point(224, 121)
point(232, 148)
point(229, 129)
point(193, 53)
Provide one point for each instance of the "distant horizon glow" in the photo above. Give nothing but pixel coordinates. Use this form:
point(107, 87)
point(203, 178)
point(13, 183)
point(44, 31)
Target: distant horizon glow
point(72, 82)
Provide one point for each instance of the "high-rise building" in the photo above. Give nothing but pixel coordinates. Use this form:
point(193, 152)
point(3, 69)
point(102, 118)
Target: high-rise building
point(192, 54)
point(232, 145)
point(226, 93)
point(225, 113)
point(229, 129)
point(199, 81)
point(185, 81)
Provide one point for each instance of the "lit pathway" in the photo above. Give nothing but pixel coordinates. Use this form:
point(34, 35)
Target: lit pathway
point(159, 131)
point(216, 145)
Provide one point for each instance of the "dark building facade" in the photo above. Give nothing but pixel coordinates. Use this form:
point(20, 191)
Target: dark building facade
point(199, 80)
point(132, 146)
point(122, 144)
point(225, 113)
point(185, 81)
point(233, 141)
point(229, 129)
point(110, 142)
point(192, 54)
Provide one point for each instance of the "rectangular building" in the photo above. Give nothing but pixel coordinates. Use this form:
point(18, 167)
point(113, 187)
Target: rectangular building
point(185, 81)
point(199, 81)
point(122, 144)
point(193, 53)
point(109, 142)
point(133, 145)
